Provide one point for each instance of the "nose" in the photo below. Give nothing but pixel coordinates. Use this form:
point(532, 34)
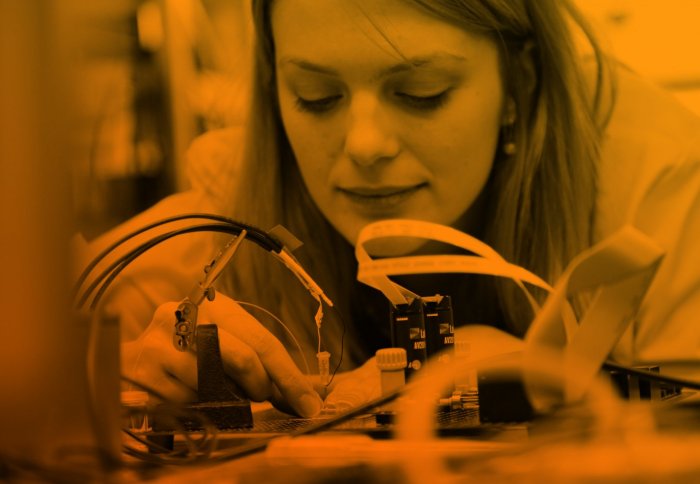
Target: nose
point(370, 138)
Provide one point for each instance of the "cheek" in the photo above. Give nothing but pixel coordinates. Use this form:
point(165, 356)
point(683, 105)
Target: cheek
point(460, 150)
point(313, 149)
point(314, 162)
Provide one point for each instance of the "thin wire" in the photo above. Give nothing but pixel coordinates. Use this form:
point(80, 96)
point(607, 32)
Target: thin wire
point(342, 347)
point(109, 274)
point(289, 331)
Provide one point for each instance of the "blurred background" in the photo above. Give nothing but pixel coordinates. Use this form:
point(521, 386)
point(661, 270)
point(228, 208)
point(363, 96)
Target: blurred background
point(154, 74)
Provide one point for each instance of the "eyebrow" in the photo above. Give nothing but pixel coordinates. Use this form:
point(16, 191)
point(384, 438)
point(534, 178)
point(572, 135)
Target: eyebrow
point(407, 65)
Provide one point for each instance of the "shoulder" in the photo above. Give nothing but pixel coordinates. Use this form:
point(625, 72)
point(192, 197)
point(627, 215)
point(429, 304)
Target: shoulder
point(649, 177)
point(213, 161)
point(650, 139)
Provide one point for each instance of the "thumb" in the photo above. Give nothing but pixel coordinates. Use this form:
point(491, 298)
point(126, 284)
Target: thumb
point(356, 388)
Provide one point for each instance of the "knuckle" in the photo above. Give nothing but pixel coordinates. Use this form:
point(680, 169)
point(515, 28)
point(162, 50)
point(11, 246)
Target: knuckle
point(165, 311)
point(289, 384)
point(244, 360)
point(259, 393)
point(265, 343)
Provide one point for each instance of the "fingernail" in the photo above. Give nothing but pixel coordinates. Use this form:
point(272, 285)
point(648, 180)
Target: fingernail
point(347, 399)
point(309, 405)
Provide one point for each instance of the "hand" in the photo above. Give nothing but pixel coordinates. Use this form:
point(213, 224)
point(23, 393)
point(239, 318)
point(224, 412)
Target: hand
point(251, 355)
point(362, 385)
point(354, 388)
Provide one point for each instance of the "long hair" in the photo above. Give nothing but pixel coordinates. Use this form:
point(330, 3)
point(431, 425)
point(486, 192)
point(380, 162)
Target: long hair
point(540, 200)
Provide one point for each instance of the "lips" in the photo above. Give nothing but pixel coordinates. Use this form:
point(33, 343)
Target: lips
point(381, 197)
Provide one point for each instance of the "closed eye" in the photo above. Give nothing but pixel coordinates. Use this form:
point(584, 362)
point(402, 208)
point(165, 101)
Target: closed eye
point(318, 106)
point(424, 103)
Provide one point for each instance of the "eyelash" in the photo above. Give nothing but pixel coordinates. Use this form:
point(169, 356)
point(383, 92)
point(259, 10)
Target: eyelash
point(317, 106)
point(424, 103)
point(420, 103)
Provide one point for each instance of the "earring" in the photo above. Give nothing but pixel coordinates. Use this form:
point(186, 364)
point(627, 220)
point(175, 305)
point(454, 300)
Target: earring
point(508, 132)
point(508, 139)
point(509, 148)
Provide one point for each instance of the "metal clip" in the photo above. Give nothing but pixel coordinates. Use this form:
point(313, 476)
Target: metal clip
point(186, 313)
point(186, 320)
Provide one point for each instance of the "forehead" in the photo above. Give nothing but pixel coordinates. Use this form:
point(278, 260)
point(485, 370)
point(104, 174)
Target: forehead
point(363, 32)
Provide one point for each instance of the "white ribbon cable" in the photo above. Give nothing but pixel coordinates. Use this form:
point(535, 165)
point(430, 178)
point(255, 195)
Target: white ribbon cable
point(426, 230)
point(427, 264)
point(303, 276)
point(487, 260)
point(621, 269)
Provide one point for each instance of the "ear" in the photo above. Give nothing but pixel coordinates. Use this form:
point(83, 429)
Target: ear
point(523, 66)
point(509, 113)
point(526, 61)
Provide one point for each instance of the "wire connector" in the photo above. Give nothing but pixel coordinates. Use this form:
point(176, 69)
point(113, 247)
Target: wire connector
point(324, 366)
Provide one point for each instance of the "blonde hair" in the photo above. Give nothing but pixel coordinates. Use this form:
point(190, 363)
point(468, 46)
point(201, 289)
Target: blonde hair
point(540, 201)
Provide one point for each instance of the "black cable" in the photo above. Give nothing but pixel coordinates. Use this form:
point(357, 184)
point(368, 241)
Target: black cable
point(256, 234)
point(117, 266)
point(653, 376)
point(109, 274)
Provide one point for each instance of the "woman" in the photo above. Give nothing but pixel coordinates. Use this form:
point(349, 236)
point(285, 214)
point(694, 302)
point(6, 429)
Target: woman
point(474, 114)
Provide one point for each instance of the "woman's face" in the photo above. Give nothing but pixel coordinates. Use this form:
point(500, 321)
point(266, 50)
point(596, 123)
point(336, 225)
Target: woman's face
point(390, 112)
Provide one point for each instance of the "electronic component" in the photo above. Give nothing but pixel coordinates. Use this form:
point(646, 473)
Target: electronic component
point(391, 363)
point(135, 408)
point(324, 367)
point(424, 328)
point(464, 381)
point(439, 325)
point(408, 332)
point(634, 385)
point(503, 398)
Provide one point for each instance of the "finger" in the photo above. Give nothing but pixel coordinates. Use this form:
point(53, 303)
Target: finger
point(280, 367)
point(154, 361)
point(150, 375)
point(159, 358)
point(291, 383)
point(349, 394)
point(244, 365)
point(239, 359)
point(172, 390)
point(279, 402)
point(355, 388)
point(162, 326)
